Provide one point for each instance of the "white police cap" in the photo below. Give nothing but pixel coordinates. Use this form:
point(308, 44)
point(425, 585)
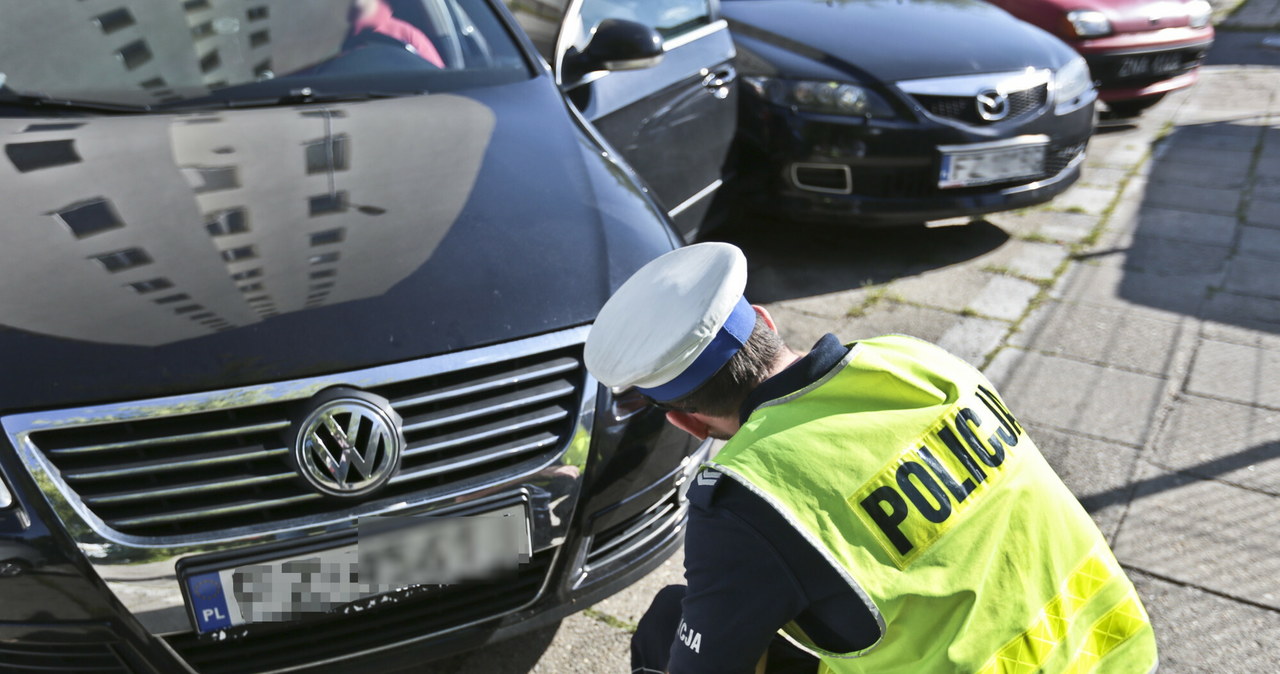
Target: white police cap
point(674, 323)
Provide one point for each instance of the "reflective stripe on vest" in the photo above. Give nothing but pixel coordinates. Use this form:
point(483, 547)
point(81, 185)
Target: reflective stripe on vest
point(907, 472)
point(1028, 652)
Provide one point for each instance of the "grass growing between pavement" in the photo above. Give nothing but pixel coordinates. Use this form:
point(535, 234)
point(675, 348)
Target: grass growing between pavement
point(1037, 237)
point(881, 295)
point(874, 296)
point(966, 312)
point(1001, 270)
point(611, 621)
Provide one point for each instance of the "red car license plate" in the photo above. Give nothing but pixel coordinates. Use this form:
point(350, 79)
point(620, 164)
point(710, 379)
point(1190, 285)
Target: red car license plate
point(1149, 64)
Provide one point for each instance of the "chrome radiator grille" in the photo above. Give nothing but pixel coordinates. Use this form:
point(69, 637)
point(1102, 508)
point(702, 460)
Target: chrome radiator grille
point(225, 465)
point(965, 108)
point(621, 539)
point(50, 658)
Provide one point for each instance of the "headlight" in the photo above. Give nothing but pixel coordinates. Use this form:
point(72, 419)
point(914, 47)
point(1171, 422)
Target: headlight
point(6, 498)
point(1070, 83)
point(1089, 23)
point(832, 98)
point(1199, 12)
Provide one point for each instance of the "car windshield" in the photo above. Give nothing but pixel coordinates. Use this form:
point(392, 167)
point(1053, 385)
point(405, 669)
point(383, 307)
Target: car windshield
point(160, 54)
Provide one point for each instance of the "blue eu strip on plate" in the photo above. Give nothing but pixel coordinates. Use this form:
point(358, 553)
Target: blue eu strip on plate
point(208, 601)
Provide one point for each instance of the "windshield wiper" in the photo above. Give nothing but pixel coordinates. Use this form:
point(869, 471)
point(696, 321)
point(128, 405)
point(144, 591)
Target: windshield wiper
point(309, 95)
point(293, 97)
point(13, 98)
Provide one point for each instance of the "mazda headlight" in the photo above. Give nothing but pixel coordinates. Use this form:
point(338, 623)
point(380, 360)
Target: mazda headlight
point(1089, 22)
point(832, 98)
point(1199, 13)
point(1070, 83)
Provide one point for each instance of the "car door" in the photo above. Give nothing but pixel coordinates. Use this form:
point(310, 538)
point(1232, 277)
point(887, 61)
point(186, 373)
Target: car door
point(674, 121)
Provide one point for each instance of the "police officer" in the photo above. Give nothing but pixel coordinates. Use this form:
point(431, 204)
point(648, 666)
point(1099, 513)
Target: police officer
point(877, 507)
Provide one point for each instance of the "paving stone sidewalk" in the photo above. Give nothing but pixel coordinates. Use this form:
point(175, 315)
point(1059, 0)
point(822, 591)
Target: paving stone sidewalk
point(1134, 326)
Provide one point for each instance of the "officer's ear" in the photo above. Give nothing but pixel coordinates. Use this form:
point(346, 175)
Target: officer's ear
point(689, 424)
point(764, 314)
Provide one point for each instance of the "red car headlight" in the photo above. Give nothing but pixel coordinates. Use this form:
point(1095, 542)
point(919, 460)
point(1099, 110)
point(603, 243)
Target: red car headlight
point(1089, 23)
point(1199, 13)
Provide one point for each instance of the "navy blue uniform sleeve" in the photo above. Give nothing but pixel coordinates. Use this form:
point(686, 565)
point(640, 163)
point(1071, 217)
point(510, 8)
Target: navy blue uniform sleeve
point(740, 593)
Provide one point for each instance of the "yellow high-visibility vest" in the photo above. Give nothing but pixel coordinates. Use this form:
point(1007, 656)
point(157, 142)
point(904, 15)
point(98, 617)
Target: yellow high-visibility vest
point(908, 473)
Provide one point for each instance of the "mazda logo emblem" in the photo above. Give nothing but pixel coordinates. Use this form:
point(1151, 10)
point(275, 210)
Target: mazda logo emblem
point(348, 444)
point(993, 106)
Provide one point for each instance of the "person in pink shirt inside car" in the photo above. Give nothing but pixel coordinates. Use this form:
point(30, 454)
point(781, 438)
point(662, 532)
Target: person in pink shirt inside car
point(375, 15)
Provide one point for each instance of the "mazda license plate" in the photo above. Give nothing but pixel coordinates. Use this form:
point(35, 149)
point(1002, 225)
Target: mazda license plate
point(986, 164)
point(398, 553)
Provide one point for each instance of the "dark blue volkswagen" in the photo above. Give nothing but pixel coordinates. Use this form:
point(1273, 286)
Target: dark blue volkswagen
point(295, 291)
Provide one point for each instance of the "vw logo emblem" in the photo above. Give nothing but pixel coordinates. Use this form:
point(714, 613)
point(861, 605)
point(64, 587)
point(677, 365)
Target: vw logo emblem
point(349, 444)
point(993, 106)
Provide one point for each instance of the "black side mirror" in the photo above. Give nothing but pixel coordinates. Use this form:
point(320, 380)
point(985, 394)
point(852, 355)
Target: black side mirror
point(616, 44)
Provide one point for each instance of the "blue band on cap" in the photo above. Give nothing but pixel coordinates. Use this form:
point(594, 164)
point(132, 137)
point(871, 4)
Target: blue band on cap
point(735, 333)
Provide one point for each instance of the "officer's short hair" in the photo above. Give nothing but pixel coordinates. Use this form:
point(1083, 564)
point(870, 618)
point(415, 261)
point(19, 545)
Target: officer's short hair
point(723, 394)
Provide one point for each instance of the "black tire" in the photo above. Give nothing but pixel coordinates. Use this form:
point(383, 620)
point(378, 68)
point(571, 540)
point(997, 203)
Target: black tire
point(1130, 108)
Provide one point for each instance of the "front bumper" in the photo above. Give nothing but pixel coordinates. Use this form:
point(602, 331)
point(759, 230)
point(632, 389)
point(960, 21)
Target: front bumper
point(391, 638)
point(885, 172)
point(605, 508)
point(1122, 64)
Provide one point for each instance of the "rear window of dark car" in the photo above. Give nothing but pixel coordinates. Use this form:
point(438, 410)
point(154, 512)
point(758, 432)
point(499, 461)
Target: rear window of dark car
point(165, 52)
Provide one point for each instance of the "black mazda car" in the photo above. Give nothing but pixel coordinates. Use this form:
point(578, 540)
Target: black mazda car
point(888, 112)
point(293, 298)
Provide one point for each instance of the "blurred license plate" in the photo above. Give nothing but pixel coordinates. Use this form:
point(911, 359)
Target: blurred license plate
point(392, 553)
point(1149, 64)
point(966, 168)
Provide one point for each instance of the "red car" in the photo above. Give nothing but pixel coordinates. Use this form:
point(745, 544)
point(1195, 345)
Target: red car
point(1137, 50)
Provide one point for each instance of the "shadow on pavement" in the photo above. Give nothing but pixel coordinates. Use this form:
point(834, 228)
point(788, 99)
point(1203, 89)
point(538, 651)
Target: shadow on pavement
point(789, 260)
point(1211, 469)
point(1242, 48)
point(1189, 252)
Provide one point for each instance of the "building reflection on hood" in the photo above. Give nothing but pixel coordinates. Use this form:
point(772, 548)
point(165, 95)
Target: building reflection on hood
point(221, 220)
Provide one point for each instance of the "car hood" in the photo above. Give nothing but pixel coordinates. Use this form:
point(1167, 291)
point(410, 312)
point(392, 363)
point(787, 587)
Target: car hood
point(156, 254)
point(1129, 16)
point(889, 40)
